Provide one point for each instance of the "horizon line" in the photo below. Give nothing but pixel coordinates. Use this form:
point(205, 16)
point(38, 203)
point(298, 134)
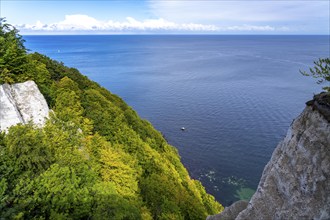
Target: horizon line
point(172, 34)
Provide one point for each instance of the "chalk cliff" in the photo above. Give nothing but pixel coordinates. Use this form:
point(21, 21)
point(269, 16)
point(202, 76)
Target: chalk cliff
point(295, 183)
point(21, 103)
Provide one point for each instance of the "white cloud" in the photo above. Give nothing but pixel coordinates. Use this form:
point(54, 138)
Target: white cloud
point(79, 22)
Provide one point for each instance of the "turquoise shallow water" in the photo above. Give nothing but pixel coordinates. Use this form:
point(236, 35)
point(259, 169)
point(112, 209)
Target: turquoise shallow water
point(235, 95)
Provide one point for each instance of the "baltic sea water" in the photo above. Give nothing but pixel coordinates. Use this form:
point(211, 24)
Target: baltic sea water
point(235, 95)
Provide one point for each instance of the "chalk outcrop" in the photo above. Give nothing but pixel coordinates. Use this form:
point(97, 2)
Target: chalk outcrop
point(21, 103)
point(295, 183)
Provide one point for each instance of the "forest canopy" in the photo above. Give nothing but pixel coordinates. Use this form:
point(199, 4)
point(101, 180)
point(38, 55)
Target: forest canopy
point(95, 158)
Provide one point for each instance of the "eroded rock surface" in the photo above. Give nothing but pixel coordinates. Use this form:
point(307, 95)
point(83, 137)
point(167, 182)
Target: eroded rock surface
point(21, 103)
point(295, 183)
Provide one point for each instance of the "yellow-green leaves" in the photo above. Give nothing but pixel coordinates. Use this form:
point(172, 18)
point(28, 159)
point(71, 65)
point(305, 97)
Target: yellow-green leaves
point(120, 169)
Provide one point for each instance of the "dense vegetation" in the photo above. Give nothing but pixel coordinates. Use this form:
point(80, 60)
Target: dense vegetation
point(94, 158)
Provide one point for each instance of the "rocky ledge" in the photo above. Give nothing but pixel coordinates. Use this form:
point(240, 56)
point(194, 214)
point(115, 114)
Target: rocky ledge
point(321, 103)
point(295, 183)
point(21, 103)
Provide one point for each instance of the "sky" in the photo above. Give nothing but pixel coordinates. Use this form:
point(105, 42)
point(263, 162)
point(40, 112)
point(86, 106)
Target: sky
point(168, 16)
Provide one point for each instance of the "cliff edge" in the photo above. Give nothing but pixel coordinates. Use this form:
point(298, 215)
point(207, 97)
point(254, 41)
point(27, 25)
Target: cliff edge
point(21, 103)
point(295, 183)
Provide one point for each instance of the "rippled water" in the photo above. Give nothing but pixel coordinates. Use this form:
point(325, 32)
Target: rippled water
point(235, 95)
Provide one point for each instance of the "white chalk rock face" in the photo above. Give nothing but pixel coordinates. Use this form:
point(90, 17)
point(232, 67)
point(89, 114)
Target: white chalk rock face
point(21, 103)
point(296, 182)
point(9, 114)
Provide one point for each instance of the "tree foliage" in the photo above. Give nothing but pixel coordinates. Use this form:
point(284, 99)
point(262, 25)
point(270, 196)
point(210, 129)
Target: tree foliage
point(13, 57)
point(94, 158)
point(321, 70)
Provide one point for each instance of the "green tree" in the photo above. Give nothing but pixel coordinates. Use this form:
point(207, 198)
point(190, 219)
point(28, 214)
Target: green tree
point(101, 111)
point(13, 59)
point(27, 147)
point(61, 191)
point(320, 70)
point(107, 204)
point(121, 169)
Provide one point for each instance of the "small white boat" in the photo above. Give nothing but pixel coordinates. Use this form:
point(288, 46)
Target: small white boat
point(183, 128)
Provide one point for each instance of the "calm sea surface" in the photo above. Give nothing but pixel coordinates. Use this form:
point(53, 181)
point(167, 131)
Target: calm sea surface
point(235, 95)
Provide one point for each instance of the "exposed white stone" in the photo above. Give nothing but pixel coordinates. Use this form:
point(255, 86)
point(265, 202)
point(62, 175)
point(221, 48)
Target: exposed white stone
point(21, 103)
point(9, 114)
point(295, 183)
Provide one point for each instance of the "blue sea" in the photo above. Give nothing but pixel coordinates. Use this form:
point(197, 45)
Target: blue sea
point(235, 95)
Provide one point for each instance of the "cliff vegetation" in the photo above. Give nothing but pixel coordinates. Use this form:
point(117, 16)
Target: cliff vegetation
point(93, 159)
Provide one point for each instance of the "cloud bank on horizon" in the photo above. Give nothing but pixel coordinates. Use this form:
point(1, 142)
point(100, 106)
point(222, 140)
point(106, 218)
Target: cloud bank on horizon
point(79, 22)
point(168, 16)
point(85, 23)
